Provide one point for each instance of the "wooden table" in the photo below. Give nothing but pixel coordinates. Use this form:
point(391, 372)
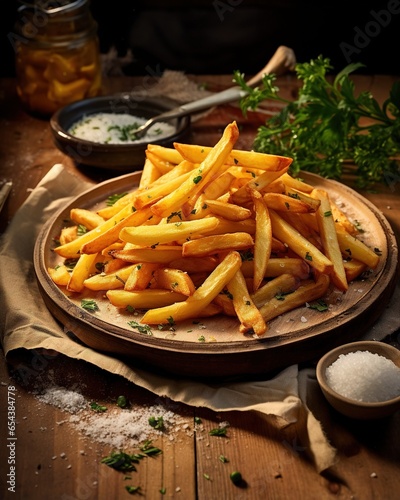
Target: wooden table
point(55, 462)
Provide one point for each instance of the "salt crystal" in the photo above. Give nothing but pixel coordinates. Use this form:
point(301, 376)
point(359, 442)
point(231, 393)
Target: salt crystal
point(364, 376)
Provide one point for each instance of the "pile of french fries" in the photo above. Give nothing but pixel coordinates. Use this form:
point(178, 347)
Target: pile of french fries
point(213, 230)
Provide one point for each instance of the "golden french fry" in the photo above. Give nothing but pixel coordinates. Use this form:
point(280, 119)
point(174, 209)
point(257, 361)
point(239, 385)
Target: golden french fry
point(200, 176)
point(202, 297)
point(68, 234)
point(228, 210)
point(175, 280)
point(145, 299)
point(59, 274)
point(305, 197)
point(300, 245)
point(303, 294)
point(294, 183)
point(249, 316)
point(281, 285)
point(341, 218)
point(110, 281)
point(167, 233)
point(329, 239)
point(81, 272)
point(161, 165)
point(170, 155)
point(262, 239)
point(141, 276)
point(86, 218)
point(352, 248)
point(113, 265)
point(209, 245)
point(219, 186)
point(284, 203)
point(354, 268)
point(249, 159)
point(150, 173)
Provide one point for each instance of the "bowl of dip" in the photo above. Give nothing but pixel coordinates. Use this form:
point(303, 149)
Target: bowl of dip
point(99, 131)
point(361, 379)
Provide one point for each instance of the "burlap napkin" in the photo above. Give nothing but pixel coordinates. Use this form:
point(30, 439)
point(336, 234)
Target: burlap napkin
point(26, 323)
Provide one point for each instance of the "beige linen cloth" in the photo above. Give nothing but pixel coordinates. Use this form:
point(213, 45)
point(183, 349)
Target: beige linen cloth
point(26, 323)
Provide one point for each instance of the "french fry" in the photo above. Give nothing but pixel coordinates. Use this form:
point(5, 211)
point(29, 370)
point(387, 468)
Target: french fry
point(59, 274)
point(150, 173)
point(110, 281)
point(145, 299)
point(352, 248)
point(202, 297)
point(81, 272)
point(175, 280)
point(329, 238)
point(276, 287)
point(153, 235)
point(262, 240)
point(209, 245)
point(284, 203)
point(249, 316)
point(300, 245)
point(170, 155)
point(195, 264)
point(250, 159)
point(228, 210)
point(86, 218)
point(141, 276)
point(161, 165)
point(68, 234)
point(303, 294)
point(354, 268)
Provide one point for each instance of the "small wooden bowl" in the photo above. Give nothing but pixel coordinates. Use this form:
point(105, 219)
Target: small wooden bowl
point(350, 407)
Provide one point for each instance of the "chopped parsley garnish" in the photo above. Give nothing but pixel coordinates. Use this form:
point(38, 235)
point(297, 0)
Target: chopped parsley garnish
point(141, 328)
point(157, 423)
point(89, 305)
point(197, 179)
point(219, 431)
point(319, 305)
point(81, 229)
point(98, 408)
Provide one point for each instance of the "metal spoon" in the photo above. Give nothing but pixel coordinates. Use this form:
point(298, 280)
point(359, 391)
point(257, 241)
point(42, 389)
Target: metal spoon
point(284, 59)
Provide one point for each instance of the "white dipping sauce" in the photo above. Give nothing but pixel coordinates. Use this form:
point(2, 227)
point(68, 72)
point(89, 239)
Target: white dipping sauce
point(117, 128)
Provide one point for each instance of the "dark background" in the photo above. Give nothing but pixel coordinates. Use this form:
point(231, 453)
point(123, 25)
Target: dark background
point(220, 36)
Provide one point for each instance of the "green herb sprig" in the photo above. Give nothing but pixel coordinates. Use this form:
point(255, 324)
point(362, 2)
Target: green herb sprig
point(328, 126)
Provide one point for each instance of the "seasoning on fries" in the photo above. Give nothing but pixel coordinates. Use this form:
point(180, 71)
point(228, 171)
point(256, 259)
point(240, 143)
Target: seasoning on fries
point(213, 230)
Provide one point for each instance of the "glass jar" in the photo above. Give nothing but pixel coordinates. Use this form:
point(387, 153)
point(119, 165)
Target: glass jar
point(57, 54)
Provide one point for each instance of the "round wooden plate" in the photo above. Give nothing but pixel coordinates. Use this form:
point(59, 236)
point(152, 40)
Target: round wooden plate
point(214, 347)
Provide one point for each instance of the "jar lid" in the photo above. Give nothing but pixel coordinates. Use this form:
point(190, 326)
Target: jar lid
point(58, 23)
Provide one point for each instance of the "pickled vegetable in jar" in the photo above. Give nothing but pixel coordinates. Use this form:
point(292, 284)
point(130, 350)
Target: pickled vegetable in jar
point(57, 54)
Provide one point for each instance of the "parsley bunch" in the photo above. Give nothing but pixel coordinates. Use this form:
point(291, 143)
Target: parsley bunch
point(328, 125)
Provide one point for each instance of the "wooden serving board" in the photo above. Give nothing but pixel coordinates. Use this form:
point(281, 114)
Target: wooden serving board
point(298, 336)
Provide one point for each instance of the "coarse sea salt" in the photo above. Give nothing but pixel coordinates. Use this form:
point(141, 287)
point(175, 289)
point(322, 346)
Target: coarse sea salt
point(113, 128)
point(364, 376)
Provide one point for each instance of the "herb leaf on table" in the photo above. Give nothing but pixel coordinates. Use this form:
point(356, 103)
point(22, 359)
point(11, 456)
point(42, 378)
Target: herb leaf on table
point(328, 125)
